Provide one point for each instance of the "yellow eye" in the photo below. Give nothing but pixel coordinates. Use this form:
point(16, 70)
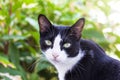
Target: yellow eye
point(48, 42)
point(67, 45)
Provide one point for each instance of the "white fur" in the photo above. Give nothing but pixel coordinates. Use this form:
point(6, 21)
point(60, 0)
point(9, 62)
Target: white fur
point(63, 63)
point(68, 65)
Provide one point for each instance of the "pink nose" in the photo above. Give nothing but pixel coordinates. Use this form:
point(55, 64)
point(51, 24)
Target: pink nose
point(55, 55)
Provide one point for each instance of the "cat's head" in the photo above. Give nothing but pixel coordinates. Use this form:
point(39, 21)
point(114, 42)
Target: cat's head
point(60, 44)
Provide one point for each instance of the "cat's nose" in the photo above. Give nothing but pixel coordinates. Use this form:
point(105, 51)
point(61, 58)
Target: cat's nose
point(55, 55)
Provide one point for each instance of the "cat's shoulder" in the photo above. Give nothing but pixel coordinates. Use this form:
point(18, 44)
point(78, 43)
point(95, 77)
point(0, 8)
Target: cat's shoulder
point(97, 49)
point(90, 45)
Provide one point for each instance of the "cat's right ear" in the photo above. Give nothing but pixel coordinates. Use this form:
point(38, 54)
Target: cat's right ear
point(44, 23)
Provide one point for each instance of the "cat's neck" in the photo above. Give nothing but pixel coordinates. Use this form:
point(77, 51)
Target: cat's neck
point(62, 68)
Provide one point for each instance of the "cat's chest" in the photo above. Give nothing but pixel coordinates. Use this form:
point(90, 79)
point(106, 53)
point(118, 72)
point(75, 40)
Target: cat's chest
point(63, 68)
point(62, 72)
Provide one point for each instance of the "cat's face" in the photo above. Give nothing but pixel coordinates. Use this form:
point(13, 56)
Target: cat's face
point(60, 44)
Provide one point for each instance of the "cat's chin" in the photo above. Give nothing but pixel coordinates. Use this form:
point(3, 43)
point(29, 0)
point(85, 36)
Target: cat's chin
point(55, 61)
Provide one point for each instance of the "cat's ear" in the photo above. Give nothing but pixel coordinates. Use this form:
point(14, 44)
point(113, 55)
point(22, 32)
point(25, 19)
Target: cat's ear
point(76, 29)
point(44, 23)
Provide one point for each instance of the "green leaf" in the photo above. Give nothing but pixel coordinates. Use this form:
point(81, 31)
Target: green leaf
point(35, 36)
point(33, 22)
point(42, 63)
point(10, 71)
point(94, 34)
point(5, 62)
point(32, 50)
point(14, 58)
point(13, 37)
point(13, 54)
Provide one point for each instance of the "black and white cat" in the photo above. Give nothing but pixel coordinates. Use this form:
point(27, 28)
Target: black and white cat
point(73, 57)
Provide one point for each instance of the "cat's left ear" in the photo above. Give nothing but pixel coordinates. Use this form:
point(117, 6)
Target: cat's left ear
point(76, 29)
point(44, 23)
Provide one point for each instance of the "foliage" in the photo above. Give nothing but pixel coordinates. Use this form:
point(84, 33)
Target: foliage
point(19, 33)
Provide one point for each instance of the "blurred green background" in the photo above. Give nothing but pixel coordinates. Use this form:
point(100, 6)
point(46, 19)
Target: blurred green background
point(20, 56)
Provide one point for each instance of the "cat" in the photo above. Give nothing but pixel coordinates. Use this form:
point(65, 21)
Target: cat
point(73, 57)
